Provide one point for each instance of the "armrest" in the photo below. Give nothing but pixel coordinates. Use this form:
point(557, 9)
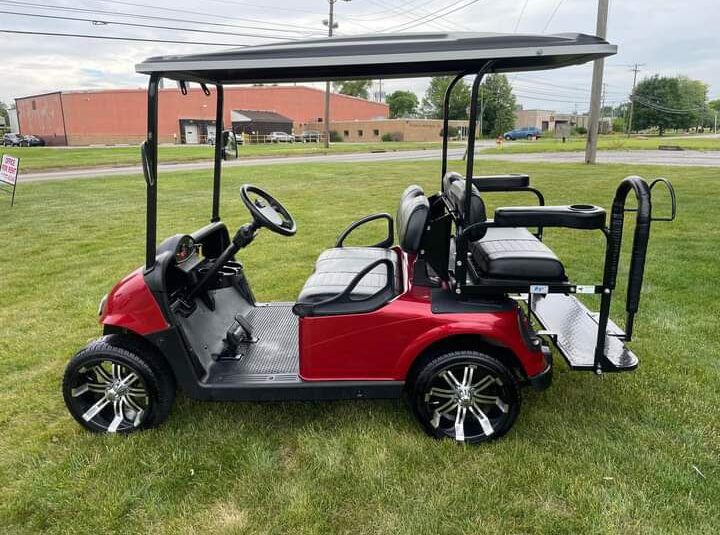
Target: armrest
point(579, 216)
point(387, 242)
point(501, 182)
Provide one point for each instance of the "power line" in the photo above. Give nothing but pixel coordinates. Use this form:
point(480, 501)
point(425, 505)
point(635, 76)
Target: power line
point(552, 15)
point(186, 11)
point(139, 25)
point(520, 16)
point(424, 19)
point(114, 38)
point(142, 17)
point(439, 23)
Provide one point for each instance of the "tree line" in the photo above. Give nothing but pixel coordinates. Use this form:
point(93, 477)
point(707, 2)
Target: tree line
point(659, 102)
point(497, 102)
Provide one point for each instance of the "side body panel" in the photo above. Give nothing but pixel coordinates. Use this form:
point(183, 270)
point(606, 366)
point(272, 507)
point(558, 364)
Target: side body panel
point(382, 345)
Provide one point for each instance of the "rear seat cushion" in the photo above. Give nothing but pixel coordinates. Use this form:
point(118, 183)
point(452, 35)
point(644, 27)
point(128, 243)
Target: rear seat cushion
point(515, 254)
point(336, 268)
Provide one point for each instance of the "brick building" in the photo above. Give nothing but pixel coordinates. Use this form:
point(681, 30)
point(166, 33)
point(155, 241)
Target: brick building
point(119, 116)
point(399, 129)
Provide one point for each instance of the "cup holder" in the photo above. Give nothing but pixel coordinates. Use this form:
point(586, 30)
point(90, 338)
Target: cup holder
point(582, 207)
point(224, 278)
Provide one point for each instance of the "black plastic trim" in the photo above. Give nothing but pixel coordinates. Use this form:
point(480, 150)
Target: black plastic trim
point(443, 301)
point(387, 242)
point(577, 216)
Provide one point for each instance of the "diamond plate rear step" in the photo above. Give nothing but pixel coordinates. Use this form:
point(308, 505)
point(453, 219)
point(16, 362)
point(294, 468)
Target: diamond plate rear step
point(575, 328)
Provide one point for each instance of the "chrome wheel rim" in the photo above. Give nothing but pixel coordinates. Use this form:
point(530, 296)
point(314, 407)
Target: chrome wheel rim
point(467, 402)
point(109, 396)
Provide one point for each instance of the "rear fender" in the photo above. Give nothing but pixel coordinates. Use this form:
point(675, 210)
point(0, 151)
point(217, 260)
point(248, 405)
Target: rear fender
point(504, 334)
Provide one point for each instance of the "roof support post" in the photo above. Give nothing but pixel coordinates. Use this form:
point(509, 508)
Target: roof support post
point(151, 152)
point(461, 241)
point(472, 127)
point(446, 124)
point(217, 175)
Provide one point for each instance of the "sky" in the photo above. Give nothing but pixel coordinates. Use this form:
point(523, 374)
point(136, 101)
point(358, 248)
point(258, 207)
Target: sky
point(666, 37)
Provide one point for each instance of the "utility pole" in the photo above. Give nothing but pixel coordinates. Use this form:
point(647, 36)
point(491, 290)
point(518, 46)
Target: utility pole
point(598, 69)
point(635, 68)
point(331, 24)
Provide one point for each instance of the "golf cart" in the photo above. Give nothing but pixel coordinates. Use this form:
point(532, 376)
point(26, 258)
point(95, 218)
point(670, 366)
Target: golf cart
point(458, 313)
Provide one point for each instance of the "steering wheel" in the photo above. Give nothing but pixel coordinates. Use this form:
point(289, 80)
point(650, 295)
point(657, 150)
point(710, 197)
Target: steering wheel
point(267, 211)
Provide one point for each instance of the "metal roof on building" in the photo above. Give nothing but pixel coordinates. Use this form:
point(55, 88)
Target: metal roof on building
point(381, 55)
point(253, 116)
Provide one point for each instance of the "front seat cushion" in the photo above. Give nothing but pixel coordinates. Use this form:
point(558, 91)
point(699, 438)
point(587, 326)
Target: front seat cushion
point(336, 268)
point(515, 254)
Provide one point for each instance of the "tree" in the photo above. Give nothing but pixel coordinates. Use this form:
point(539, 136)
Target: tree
point(432, 103)
point(354, 88)
point(498, 105)
point(664, 102)
point(4, 113)
point(402, 104)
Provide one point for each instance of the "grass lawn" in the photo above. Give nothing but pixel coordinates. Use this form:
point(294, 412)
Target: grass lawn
point(606, 455)
point(574, 144)
point(49, 158)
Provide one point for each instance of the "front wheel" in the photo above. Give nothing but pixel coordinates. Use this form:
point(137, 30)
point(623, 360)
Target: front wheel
point(466, 396)
point(117, 385)
point(508, 138)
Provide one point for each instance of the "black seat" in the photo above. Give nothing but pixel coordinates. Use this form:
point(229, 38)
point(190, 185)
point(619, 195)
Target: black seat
point(502, 253)
point(515, 254)
point(336, 268)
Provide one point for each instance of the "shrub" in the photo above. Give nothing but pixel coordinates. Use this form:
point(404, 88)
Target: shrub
point(335, 136)
point(581, 130)
point(392, 136)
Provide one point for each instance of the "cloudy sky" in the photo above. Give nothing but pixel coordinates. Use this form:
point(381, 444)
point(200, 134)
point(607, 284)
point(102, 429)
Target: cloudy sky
point(667, 36)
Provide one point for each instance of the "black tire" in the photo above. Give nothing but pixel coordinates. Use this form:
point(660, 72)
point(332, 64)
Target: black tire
point(438, 404)
point(508, 138)
point(118, 385)
point(529, 136)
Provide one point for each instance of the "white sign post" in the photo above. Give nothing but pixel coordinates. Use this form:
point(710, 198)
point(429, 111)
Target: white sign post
point(9, 173)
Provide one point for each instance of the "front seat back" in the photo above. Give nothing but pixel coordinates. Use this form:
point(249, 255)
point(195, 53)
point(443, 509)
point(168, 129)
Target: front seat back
point(411, 220)
point(454, 191)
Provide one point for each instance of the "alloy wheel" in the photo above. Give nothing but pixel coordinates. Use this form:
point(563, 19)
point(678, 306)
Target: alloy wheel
point(109, 396)
point(467, 402)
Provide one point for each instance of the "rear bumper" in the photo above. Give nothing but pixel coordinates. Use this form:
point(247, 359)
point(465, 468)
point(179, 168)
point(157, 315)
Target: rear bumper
point(543, 380)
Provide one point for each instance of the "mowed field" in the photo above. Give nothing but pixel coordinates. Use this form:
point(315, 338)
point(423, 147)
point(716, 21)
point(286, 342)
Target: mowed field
point(623, 454)
point(33, 159)
point(608, 142)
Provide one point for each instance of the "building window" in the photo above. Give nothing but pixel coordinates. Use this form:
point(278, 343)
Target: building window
point(346, 133)
point(320, 119)
point(376, 132)
point(34, 106)
point(360, 133)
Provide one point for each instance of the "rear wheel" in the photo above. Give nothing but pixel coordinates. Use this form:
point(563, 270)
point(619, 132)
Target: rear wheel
point(466, 396)
point(508, 138)
point(117, 385)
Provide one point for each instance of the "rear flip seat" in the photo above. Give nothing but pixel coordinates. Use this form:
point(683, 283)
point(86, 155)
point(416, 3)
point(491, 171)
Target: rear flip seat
point(503, 253)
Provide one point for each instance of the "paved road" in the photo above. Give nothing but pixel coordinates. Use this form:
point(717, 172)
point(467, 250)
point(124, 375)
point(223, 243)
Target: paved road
point(639, 157)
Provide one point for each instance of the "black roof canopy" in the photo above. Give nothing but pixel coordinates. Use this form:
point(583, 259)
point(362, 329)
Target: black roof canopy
point(381, 55)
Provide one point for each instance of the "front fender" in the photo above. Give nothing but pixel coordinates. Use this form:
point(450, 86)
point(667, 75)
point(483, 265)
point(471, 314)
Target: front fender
point(130, 305)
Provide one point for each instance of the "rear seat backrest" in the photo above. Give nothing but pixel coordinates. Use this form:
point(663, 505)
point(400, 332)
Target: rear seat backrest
point(412, 216)
point(454, 191)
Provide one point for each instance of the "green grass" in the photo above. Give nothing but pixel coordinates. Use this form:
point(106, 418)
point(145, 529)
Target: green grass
point(34, 159)
point(614, 142)
point(610, 455)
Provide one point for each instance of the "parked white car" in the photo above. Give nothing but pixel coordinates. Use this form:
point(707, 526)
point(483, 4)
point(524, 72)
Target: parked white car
point(280, 137)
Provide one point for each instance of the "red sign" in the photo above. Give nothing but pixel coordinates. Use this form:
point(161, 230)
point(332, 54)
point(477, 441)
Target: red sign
point(9, 169)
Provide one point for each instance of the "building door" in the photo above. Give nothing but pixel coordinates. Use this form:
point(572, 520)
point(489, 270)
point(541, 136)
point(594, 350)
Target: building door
point(191, 134)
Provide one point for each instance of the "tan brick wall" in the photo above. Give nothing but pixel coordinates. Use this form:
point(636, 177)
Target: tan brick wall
point(408, 129)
